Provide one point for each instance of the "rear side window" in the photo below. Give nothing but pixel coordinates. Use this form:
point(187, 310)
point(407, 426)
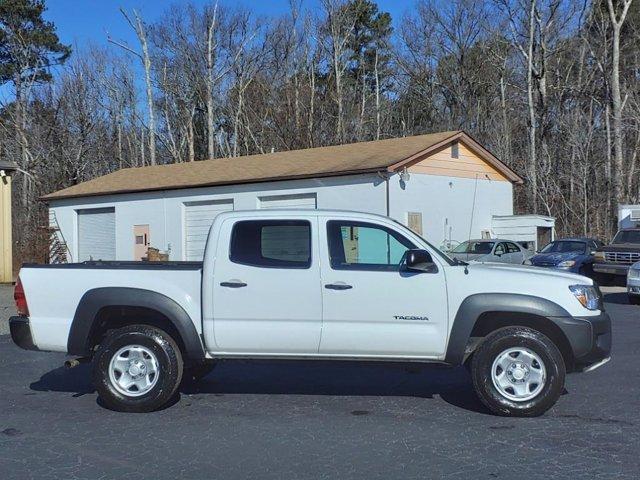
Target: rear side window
point(271, 243)
point(512, 248)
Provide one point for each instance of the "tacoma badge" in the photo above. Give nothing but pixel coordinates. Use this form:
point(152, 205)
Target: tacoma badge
point(410, 317)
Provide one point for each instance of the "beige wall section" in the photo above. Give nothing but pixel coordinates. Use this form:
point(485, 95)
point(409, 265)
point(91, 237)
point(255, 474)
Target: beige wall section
point(6, 263)
point(467, 165)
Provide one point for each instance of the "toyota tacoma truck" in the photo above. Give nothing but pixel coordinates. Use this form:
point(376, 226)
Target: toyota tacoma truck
point(313, 284)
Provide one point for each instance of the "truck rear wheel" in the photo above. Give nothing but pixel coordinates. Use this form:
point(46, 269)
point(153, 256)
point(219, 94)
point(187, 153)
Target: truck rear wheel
point(137, 368)
point(518, 371)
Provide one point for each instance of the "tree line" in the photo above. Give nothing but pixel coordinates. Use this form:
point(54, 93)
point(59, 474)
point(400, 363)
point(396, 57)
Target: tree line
point(550, 86)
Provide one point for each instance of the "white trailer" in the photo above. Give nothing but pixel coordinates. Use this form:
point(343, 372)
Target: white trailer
point(628, 216)
point(536, 230)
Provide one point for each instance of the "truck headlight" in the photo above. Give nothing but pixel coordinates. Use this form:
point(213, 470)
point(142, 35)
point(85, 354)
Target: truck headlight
point(567, 264)
point(599, 256)
point(587, 295)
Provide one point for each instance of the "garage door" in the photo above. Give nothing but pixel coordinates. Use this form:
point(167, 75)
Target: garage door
point(198, 217)
point(97, 234)
point(306, 200)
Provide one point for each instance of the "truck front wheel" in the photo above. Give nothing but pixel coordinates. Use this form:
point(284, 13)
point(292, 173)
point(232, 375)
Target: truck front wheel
point(137, 368)
point(518, 371)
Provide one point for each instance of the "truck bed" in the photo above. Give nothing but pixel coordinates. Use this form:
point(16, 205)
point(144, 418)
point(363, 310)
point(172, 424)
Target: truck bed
point(54, 291)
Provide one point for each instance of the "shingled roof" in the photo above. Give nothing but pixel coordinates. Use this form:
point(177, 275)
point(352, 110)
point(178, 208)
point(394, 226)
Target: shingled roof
point(363, 157)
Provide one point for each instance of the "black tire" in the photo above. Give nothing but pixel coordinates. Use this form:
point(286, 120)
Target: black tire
point(169, 360)
point(634, 299)
point(512, 337)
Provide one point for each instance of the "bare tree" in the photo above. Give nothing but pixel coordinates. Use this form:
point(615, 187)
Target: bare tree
point(617, 17)
point(138, 26)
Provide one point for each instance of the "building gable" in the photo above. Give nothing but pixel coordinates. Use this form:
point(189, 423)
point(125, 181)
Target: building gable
point(468, 164)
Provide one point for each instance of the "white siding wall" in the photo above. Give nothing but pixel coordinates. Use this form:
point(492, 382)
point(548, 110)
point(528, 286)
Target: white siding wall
point(164, 211)
point(446, 203)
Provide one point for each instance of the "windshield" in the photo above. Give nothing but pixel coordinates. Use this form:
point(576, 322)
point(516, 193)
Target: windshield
point(627, 236)
point(565, 247)
point(480, 248)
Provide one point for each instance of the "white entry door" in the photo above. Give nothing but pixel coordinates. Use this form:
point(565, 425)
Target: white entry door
point(198, 217)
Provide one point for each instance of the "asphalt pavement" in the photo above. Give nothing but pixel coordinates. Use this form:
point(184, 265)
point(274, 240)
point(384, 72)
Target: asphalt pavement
point(7, 307)
point(315, 420)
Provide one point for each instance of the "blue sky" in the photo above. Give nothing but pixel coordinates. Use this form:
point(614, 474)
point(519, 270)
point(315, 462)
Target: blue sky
point(81, 21)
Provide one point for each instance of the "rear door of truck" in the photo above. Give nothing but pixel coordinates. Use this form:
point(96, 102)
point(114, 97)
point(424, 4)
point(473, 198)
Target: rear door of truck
point(266, 288)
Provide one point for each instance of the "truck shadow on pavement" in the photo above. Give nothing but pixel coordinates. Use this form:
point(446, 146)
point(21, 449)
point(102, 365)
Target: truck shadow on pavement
point(330, 378)
point(619, 298)
point(61, 379)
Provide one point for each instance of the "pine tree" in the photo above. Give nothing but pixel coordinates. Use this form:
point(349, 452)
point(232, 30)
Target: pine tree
point(29, 47)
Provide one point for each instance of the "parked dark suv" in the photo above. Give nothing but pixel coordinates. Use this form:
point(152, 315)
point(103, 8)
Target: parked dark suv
point(613, 261)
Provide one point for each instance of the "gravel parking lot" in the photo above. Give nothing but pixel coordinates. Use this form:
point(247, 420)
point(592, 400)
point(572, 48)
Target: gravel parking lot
point(321, 420)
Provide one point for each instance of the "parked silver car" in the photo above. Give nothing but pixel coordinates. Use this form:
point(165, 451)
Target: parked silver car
point(490, 250)
point(633, 284)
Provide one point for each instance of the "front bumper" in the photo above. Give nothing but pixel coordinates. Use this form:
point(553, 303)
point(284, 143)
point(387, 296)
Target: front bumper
point(611, 268)
point(21, 333)
point(589, 337)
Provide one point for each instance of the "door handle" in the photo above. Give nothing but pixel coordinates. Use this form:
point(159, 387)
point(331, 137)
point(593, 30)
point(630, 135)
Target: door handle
point(233, 284)
point(338, 286)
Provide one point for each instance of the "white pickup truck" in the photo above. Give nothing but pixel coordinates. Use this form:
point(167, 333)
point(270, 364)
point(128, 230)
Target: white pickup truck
point(313, 284)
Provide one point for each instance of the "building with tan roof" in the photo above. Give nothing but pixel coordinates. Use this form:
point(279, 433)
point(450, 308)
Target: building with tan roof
point(446, 186)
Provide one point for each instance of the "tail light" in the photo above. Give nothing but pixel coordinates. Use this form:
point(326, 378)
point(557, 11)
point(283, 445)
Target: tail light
point(21, 300)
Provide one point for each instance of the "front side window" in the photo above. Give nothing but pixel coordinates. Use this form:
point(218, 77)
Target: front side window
point(271, 243)
point(365, 246)
point(500, 249)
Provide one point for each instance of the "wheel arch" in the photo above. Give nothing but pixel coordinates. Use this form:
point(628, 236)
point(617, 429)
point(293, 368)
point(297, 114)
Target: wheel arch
point(101, 309)
point(482, 314)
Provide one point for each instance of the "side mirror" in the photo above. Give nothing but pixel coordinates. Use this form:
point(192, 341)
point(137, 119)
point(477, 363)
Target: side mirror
point(420, 261)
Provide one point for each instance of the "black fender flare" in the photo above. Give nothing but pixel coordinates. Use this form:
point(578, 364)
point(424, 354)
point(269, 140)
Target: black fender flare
point(475, 305)
point(84, 319)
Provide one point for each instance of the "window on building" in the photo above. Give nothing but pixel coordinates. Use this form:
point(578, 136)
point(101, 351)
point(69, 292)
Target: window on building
point(414, 222)
point(272, 243)
point(454, 150)
point(365, 246)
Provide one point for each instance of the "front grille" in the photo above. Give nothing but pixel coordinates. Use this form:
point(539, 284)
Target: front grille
point(624, 258)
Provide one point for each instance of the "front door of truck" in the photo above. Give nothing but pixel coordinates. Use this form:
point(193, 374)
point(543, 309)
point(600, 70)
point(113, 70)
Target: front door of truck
point(266, 290)
point(371, 305)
